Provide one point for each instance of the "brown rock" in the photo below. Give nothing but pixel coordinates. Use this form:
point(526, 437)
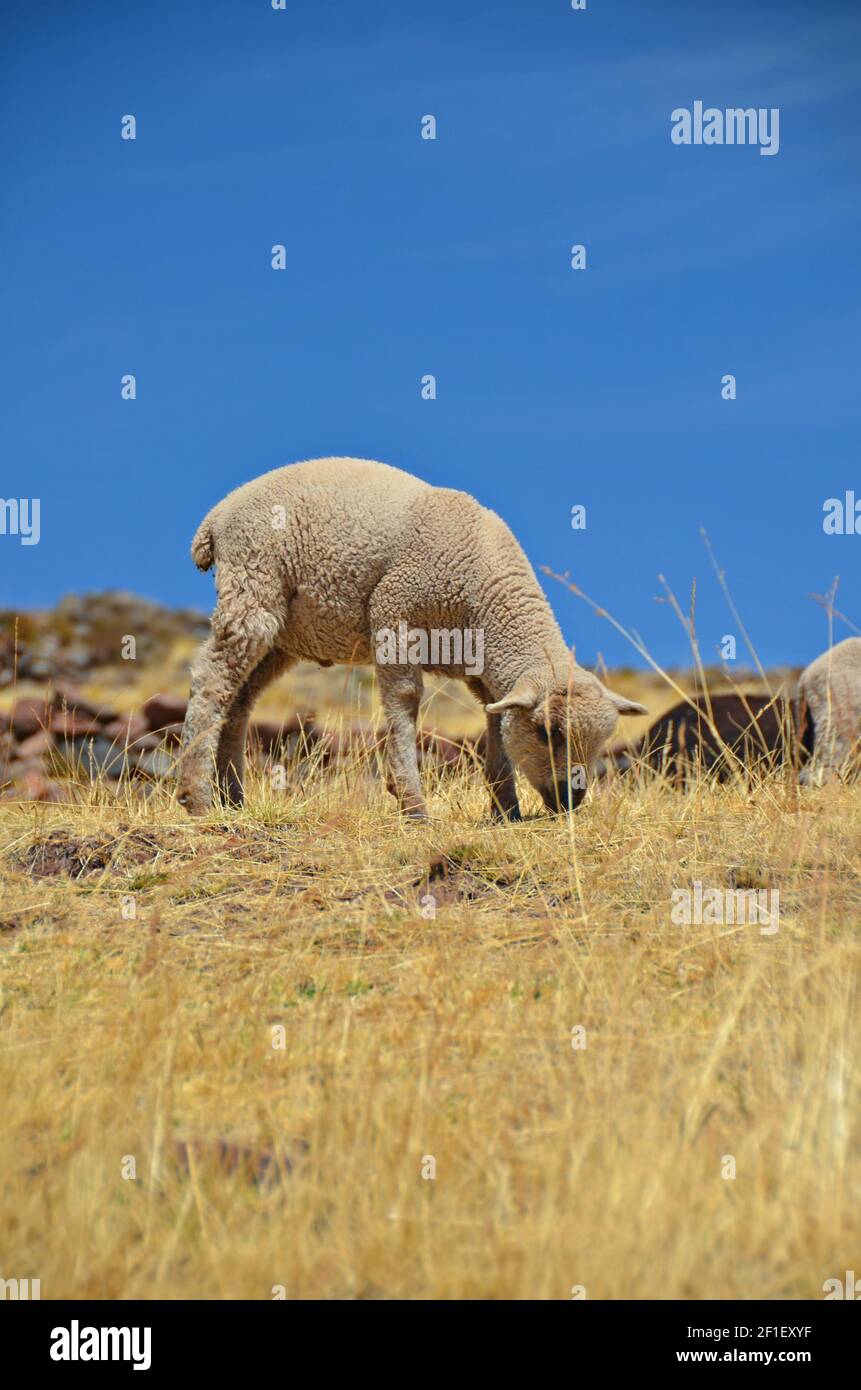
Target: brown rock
point(759, 732)
point(36, 746)
point(350, 741)
point(163, 710)
point(66, 697)
point(34, 786)
point(71, 724)
point(270, 733)
point(154, 763)
point(148, 741)
point(130, 728)
point(440, 748)
point(29, 715)
point(12, 778)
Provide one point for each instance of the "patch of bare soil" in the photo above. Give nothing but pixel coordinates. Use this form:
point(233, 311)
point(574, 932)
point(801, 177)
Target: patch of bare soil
point(455, 878)
point(62, 852)
point(259, 1166)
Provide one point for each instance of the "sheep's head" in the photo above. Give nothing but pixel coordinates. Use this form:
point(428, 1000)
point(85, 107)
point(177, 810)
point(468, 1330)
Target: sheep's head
point(556, 735)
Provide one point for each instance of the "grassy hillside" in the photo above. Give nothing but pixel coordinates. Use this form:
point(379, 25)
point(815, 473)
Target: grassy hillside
point(421, 985)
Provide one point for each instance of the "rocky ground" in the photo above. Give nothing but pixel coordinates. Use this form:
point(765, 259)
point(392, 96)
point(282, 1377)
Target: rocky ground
point(86, 632)
point(56, 734)
point(50, 743)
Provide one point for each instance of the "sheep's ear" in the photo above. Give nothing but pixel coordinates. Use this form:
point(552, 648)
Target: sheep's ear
point(522, 695)
point(624, 705)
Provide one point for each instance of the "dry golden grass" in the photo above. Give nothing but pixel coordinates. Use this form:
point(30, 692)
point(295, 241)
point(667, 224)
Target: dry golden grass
point(408, 1037)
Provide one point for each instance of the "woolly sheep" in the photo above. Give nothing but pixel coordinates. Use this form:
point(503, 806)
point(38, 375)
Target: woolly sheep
point(831, 688)
point(315, 560)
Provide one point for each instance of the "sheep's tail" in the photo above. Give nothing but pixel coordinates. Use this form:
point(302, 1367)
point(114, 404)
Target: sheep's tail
point(203, 545)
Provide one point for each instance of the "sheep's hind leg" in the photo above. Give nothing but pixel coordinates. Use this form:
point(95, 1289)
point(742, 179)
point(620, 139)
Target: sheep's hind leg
point(231, 746)
point(225, 662)
point(400, 693)
point(498, 768)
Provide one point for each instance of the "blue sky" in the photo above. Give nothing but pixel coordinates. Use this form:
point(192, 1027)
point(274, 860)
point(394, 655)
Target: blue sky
point(555, 387)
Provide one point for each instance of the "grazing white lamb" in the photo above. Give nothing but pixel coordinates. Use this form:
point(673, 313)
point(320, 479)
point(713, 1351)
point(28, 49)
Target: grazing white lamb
point(324, 561)
point(831, 686)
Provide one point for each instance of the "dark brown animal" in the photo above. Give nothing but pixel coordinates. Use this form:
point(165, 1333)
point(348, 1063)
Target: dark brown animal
point(716, 735)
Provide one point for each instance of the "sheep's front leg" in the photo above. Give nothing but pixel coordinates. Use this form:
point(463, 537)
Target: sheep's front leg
point(500, 774)
point(223, 665)
point(231, 746)
point(498, 768)
point(400, 693)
